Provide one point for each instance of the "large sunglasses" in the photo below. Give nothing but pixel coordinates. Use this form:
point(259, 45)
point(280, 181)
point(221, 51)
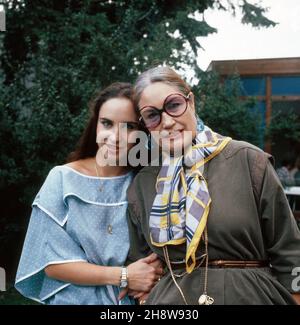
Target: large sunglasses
point(174, 105)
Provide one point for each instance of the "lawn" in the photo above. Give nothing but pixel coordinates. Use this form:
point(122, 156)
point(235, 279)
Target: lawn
point(12, 297)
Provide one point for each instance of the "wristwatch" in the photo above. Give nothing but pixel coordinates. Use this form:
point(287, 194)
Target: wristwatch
point(124, 278)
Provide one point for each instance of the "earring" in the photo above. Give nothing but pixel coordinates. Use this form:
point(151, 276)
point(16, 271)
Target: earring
point(200, 124)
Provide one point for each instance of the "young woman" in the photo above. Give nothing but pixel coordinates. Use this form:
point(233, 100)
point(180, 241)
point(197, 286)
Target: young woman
point(216, 214)
point(77, 241)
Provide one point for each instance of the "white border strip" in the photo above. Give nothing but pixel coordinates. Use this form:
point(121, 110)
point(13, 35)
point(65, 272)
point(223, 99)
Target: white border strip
point(51, 263)
point(92, 202)
point(109, 287)
point(55, 291)
point(62, 223)
point(95, 177)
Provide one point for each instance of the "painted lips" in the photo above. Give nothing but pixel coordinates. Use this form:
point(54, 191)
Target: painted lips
point(170, 135)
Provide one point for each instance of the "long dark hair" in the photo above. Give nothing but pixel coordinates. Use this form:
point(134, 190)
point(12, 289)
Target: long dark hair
point(87, 146)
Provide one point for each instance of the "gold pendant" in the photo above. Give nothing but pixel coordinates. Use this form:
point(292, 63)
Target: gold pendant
point(205, 300)
point(109, 229)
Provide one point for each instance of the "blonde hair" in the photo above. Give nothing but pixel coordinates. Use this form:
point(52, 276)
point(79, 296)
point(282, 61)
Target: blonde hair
point(163, 74)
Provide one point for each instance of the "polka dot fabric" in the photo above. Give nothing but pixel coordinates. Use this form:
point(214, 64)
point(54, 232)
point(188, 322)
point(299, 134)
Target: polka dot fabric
point(69, 223)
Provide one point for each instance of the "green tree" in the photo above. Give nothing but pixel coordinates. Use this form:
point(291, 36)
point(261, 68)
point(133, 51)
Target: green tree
point(128, 35)
point(56, 53)
point(284, 124)
point(221, 108)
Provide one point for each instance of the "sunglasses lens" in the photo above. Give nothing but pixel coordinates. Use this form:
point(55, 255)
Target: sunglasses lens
point(175, 105)
point(150, 117)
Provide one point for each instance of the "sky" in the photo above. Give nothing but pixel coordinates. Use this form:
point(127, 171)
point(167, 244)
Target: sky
point(237, 41)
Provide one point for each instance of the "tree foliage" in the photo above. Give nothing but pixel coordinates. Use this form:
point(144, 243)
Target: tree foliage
point(56, 53)
point(284, 125)
point(221, 108)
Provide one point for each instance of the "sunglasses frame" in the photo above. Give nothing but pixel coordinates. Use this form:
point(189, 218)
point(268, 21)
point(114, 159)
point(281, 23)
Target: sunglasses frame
point(163, 109)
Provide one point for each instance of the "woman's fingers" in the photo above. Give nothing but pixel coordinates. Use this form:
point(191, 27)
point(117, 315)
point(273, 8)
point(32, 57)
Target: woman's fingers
point(139, 295)
point(143, 298)
point(157, 278)
point(142, 276)
point(133, 293)
point(158, 265)
point(149, 259)
point(159, 271)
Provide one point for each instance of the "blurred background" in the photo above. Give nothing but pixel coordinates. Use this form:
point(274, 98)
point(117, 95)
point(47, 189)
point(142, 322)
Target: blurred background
point(241, 58)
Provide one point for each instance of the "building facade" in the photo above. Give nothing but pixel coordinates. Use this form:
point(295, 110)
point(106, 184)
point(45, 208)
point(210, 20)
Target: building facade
point(275, 84)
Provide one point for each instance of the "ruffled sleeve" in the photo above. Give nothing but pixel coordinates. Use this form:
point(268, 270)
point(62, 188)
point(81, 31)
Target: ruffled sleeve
point(47, 242)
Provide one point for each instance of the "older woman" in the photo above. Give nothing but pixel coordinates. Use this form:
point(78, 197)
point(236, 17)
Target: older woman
point(216, 213)
point(77, 240)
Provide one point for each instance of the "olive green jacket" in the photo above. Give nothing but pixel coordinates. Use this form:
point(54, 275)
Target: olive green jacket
point(249, 219)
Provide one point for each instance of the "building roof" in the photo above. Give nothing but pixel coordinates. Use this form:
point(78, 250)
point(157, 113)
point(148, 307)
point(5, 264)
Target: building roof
point(281, 66)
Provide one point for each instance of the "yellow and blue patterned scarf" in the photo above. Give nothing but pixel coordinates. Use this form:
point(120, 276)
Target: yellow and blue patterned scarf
point(181, 206)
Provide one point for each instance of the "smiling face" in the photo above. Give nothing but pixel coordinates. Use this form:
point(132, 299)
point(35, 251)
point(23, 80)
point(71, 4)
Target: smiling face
point(116, 130)
point(176, 131)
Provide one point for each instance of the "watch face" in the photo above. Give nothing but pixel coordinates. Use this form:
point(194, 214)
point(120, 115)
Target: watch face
point(123, 284)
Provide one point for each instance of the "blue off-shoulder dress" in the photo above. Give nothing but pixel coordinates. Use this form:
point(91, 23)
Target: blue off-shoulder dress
point(69, 223)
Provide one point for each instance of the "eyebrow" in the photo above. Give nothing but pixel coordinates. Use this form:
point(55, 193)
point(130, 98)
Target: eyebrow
point(161, 108)
point(105, 118)
point(150, 106)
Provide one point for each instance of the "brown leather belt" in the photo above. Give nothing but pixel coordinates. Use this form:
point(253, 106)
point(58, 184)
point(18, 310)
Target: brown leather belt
point(226, 264)
point(238, 264)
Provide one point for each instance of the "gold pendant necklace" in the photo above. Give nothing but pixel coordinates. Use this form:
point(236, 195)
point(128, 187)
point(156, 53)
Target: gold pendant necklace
point(205, 299)
point(109, 227)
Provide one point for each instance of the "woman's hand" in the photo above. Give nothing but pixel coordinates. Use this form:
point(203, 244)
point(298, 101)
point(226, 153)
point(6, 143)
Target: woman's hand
point(158, 265)
point(142, 276)
point(143, 298)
